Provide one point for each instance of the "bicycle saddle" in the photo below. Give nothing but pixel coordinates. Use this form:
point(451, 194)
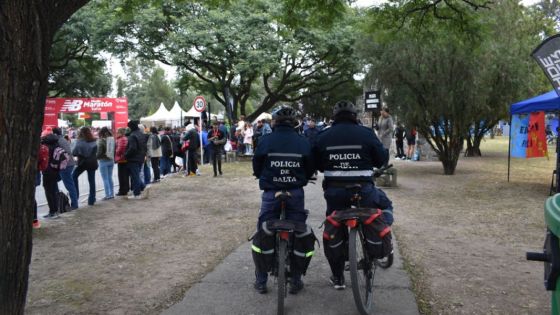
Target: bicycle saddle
point(282, 195)
point(354, 188)
point(354, 213)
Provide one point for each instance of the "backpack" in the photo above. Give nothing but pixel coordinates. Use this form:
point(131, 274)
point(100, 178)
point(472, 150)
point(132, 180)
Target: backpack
point(63, 202)
point(59, 159)
point(43, 158)
point(156, 143)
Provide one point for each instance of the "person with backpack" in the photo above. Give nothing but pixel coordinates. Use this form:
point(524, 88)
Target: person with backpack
point(154, 152)
point(42, 164)
point(86, 152)
point(106, 160)
point(56, 161)
point(66, 174)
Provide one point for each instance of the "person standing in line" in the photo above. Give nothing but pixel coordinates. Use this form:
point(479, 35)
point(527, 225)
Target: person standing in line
point(385, 128)
point(399, 141)
point(154, 152)
point(122, 168)
point(411, 143)
point(194, 145)
point(311, 131)
point(50, 175)
point(248, 139)
point(106, 158)
point(86, 150)
point(167, 152)
point(145, 171)
point(135, 155)
point(217, 139)
point(66, 174)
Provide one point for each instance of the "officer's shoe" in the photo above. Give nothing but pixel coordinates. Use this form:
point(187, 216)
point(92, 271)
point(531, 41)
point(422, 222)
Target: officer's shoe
point(337, 282)
point(295, 286)
point(261, 288)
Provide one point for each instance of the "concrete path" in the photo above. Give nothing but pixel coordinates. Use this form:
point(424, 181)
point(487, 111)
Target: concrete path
point(228, 289)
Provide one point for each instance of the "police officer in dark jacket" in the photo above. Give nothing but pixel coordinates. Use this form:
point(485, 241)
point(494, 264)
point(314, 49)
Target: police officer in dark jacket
point(282, 162)
point(347, 153)
point(135, 154)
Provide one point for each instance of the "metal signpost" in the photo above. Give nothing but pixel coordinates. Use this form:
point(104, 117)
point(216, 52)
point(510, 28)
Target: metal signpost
point(372, 101)
point(199, 105)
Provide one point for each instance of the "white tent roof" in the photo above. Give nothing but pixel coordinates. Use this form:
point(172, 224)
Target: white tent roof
point(192, 113)
point(177, 112)
point(162, 114)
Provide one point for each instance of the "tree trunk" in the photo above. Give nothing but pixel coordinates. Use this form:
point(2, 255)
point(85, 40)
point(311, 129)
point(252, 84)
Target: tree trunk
point(473, 146)
point(26, 32)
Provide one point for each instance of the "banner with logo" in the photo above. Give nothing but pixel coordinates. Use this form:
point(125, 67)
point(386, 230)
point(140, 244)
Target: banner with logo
point(528, 136)
point(536, 137)
point(519, 131)
point(54, 106)
point(547, 55)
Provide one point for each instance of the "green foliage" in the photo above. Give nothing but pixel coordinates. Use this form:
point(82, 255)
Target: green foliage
point(146, 88)
point(445, 80)
point(76, 69)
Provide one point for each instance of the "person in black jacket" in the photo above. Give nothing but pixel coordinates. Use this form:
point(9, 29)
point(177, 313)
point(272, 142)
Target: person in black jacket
point(50, 176)
point(399, 141)
point(282, 162)
point(216, 139)
point(194, 145)
point(347, 153)
point(135, 154)
point(167, 152)
point(86, 151)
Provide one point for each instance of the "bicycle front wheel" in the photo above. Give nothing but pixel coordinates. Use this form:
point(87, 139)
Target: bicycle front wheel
point(282, 254)
point(362, 272)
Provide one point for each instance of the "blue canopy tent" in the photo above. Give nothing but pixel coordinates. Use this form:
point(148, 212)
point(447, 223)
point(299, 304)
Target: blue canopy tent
point(548, 102)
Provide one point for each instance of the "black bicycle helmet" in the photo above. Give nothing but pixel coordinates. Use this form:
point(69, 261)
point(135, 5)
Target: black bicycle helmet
point(344, 106)
point(284, 113)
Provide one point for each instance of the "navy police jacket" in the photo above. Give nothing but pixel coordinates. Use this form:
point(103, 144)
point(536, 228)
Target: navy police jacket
point(347, 152)
point(282, 160)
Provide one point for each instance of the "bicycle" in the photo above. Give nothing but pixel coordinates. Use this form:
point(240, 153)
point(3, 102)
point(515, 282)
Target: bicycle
point(362, 268)
point(283, 230)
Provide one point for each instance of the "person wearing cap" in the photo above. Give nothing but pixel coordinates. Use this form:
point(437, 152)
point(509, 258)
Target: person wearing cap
point(346, 153)
point(216, 139)
point(282, 162)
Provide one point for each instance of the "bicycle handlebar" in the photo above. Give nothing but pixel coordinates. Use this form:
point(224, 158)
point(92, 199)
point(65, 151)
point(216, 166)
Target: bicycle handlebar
point(537, 256)
point(378, 172)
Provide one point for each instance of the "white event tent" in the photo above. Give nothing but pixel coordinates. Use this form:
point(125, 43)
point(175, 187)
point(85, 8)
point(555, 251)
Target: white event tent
point(177, 115)
point(161, 116)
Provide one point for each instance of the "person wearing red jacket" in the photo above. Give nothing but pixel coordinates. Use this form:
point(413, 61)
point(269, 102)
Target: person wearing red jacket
point(120, 159)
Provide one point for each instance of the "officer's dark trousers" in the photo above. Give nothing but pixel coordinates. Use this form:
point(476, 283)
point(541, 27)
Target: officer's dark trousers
point(340, 198)
point(270, 209)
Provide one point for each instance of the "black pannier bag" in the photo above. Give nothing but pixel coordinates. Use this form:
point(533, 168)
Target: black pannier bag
point(378, 235)
point(335, 240)
point(303, 250)
point(263, 249)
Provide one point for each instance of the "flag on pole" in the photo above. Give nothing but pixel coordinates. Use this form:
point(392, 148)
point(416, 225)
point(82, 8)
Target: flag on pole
point(547, 55)
point(528, 136)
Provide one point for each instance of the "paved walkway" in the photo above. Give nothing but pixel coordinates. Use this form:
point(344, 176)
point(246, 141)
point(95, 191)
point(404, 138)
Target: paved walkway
point(228, 289)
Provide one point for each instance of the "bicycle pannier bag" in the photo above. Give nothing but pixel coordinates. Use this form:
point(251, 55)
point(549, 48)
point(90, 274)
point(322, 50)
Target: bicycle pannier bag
point(263, 249)
point(335, 240)
point(378, 235)
point(304, 249)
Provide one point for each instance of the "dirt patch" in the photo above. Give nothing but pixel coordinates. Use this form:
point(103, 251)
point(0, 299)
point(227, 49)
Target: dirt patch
point(140, 256)
point(465, 236)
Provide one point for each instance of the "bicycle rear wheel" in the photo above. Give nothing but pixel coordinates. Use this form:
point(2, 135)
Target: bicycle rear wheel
point(282, 254)
point(362, 273)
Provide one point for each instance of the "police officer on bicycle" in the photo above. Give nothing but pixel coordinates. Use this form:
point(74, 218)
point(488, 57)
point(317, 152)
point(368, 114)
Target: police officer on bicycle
point(282, 162)
point(347, 153)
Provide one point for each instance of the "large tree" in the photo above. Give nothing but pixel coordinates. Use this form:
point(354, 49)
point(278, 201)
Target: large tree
point(27, 28)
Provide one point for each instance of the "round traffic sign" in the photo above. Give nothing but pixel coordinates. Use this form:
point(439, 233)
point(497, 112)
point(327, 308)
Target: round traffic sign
point(199, 104)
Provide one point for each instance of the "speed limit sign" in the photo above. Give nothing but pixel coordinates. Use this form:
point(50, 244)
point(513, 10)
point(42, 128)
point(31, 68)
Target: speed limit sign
point(199, 104)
